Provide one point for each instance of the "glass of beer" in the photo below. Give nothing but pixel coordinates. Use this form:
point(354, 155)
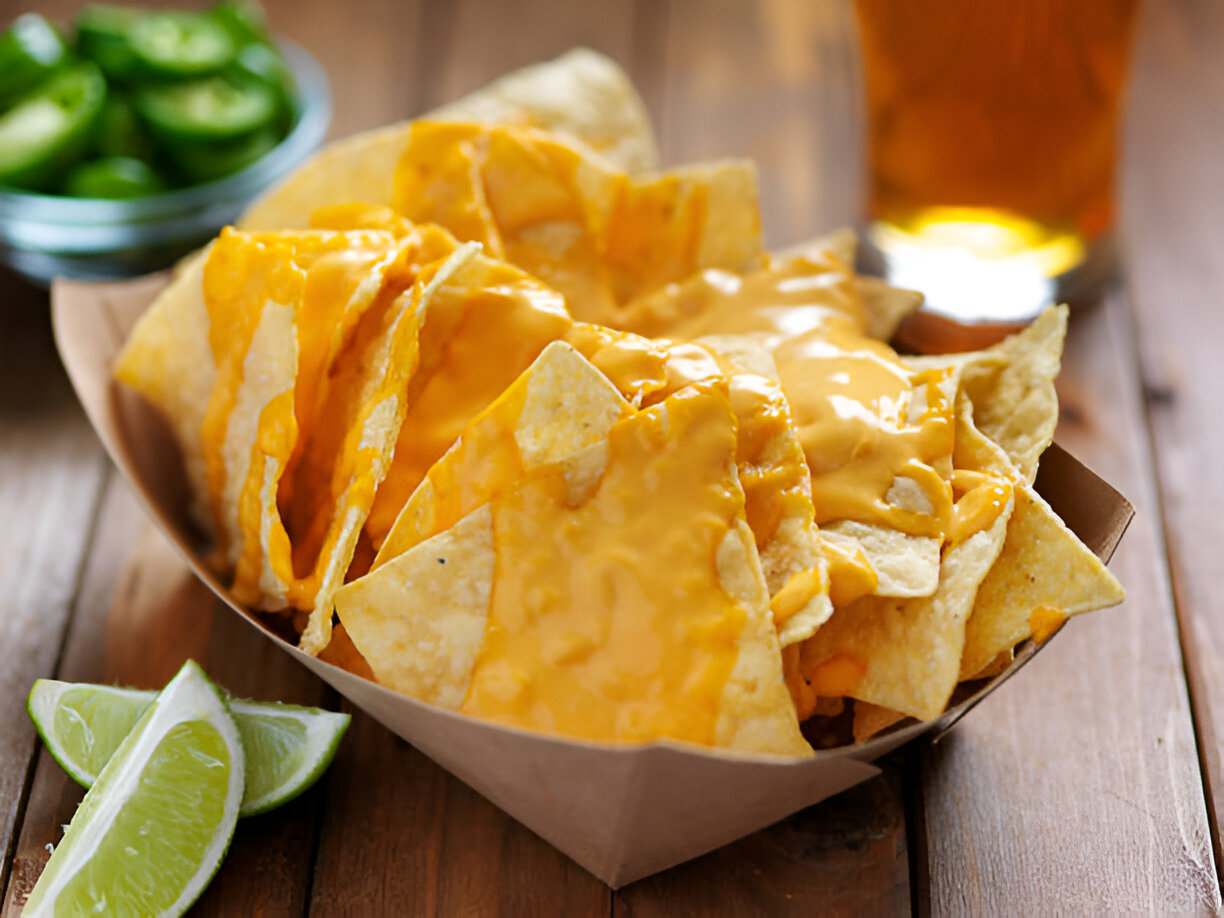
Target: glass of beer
point(992, 131)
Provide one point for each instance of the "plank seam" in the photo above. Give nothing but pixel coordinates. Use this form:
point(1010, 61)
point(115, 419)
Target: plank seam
point(74, 602)
point(1148, 398)
point(332, 701)
point(917, 850)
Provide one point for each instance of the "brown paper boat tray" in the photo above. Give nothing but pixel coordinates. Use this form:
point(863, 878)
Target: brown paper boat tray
point(622, 812)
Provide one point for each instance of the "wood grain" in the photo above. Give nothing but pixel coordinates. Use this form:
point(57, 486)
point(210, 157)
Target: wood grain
point(51, 470)
point(1075, 788)
point(469, 43)
point(403, 837)
point(845, 856)
point(371, 51)
point(777, 82)
point(1173, 240)
point(1076, 785)
point(135, 624)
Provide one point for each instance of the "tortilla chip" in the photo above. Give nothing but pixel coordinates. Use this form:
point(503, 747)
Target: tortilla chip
point(905, 565)
point(262, 568)
point(681, 452)
point(1012, 389)
point(788, 294)
point(994, 667)
point(483, 327)
point(598, 235)
point(420, 620)
point(884, 306)
point(770, 460)
point(777, 489)
point(581, 95)
point(346, 459)
point(342, 652)
point(558, 407)
point(167, 359)
point(900, 533)
point(1042, 565)
point(628, 651)
point(673, 224)
point(281, 309)
point(910, 649)
point(251, 292)
point(755, 713)
point(870, 719)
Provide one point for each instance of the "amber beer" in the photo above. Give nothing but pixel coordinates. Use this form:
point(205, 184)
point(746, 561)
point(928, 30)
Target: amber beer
point(993, 127)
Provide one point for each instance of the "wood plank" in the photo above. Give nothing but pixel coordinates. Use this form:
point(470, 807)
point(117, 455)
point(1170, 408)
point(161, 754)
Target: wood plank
point(371, 51)
point(401, 836)
point(845, 856)
point(135, 624)
point(51, 470)
point(1076, 785)
point(777, 82)
point(468, 43)
point(1173, 239)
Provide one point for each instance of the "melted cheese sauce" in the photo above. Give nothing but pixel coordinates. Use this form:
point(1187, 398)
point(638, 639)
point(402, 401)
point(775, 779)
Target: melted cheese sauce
point(607, 619)
point(867, 423)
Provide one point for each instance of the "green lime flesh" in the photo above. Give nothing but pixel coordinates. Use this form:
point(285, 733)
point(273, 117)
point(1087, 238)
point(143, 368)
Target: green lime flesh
point(287, 747)
point(165, 827)
point(154, 827)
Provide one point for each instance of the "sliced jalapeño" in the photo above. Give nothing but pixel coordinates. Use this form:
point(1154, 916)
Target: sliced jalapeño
point(114, 177)
point(30, 51)
point(50, 127)
point(213, 109)
point(177, 45)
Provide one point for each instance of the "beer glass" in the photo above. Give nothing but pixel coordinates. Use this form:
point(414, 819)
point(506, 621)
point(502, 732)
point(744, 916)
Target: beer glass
point(992, 136)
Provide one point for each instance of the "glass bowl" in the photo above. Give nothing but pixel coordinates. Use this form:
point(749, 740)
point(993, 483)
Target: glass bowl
point(47, 236)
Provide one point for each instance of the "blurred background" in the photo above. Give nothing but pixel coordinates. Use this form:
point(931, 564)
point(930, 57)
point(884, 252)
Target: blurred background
point(1090, 779)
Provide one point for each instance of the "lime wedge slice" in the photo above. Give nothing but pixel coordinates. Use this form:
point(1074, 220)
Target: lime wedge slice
point(154, 827)
point(287, 747)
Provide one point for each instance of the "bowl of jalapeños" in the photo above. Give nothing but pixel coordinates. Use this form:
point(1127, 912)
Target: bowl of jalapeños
point(131, 140)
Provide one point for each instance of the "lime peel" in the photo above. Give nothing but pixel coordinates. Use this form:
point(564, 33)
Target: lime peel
point(288, 747)
point(171, 792)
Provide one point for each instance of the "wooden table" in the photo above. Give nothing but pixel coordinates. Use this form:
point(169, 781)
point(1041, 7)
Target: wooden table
point(1086, 783)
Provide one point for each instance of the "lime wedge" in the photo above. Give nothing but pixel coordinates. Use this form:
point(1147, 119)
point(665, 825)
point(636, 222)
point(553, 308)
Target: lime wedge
point(152, 830)
point(287, 747)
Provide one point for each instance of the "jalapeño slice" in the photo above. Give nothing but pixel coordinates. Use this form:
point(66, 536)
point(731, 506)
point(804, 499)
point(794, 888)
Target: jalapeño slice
point(180, 45)
point(102, 36)
point(119, 132)
point(206, 162)
point(30, 50)
point(213, 109)
point(113, 177)
point(244, 20)
point(266, 66)
point(50, 127)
